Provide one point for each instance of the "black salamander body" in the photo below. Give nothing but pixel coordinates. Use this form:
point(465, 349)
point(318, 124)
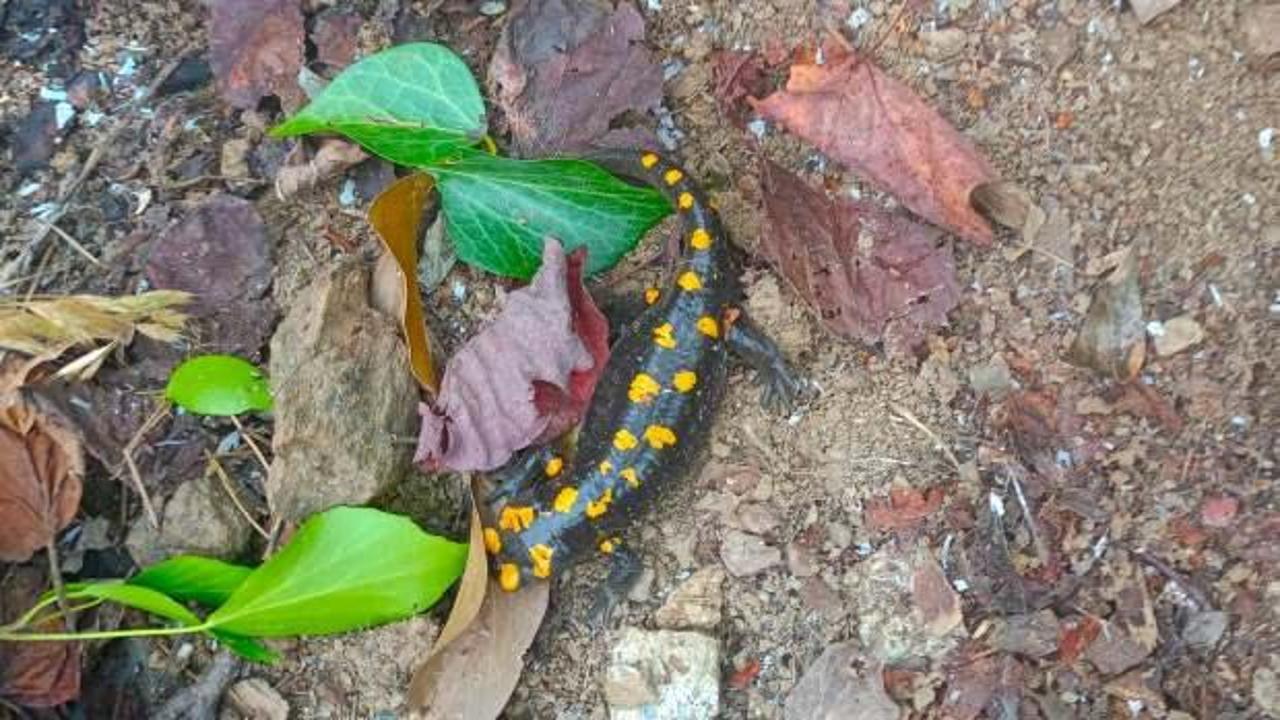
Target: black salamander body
point(648, 417)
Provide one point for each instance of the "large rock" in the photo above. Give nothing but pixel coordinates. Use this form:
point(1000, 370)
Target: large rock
point(345, 399)
point(663, 675)
point(696, 604)
point(199, 519)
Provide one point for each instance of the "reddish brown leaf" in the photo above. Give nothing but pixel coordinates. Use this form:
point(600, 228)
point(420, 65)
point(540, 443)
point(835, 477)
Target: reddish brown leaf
point(867, 273)
point(738, 76)
point(35, 674)
point(935, 600)
point(1075, 638)
point(1220, 511)
point(906, 507)
point(526, 377)
point(1145, 401)
point(567, 73)
point(256, 50)
point(744, 675)
point(41, 468)
point(879, 127)
point(1112, 338)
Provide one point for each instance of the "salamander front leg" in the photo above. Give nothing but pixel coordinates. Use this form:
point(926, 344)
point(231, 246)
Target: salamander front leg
point(526, 469)
point(624, 570)
point(782, 387)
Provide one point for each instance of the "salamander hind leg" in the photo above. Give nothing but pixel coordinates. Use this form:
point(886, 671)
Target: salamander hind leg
point(782, 386)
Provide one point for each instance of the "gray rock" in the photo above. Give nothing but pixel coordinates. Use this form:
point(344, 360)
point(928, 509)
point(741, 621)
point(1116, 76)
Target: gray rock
point(1266, 690)
point(1178, 334)
point(345, 398)
point(1148, 10)
point(993, 379)
point(889, 623)
point(199, 519)
point(758, 518)
point(696, 604)
point(1034, 635)
point(254, 699)
point(801, 561)
point(1205, 629)
point(944, 44)
point(663, 675)
point(746, 555)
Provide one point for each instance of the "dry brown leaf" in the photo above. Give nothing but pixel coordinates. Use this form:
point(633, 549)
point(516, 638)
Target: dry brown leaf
point(1112, 339)
point(47, 327)
point(855, 113)
point(936, 601)
point(41, 469)
point(334, 157)
point(34, 674)
point(869, 274)
point(396, 215)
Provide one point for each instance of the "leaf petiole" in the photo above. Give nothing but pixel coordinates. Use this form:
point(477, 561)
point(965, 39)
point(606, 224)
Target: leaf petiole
point(6, 636)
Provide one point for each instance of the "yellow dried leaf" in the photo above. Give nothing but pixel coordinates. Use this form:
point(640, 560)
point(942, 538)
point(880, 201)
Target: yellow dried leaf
point(47, 327)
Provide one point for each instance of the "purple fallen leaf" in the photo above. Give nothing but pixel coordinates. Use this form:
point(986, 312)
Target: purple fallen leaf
point(526, 377)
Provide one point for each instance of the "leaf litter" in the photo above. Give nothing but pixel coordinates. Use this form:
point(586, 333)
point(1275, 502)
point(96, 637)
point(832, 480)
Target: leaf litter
point(568, 75)
point(38, 675)
point(526, 378)
point(41, 471)
point(870, 275)
point(855, 113)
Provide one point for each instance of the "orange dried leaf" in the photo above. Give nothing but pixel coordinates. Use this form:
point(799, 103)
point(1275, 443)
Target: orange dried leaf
point(855, 113)
point(41, 469)
point(396, 215)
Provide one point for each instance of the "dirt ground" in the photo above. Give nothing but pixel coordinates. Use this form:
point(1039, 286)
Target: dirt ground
point(1131, 137)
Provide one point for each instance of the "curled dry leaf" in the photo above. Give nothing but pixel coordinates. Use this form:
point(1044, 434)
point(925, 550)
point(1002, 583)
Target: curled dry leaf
point(855, 113)
point(334, 157)
point(34, 674)
point(842, 680)
point(256, 50)
point(41, 469)
point(1112, 340)
point(867, 273)
point(525, 378)
point(396, 215)
point(566, 73)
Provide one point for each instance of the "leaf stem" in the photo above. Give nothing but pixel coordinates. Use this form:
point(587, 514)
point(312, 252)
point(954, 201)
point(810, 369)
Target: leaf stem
point(8, 636)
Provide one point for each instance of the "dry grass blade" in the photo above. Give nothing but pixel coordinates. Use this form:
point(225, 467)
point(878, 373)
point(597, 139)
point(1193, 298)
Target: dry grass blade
point(48, 326)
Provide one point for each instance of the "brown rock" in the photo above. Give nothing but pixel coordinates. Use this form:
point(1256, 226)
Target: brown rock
point(344, 396)
point(696, 604)
point(745, 555)
point(254, 699)
point(199, 519)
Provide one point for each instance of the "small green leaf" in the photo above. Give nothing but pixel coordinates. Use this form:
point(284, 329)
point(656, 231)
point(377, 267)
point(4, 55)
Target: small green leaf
point(134, 596)
point(346, 568)
point(498, 210)
point(411, 104)
point(189, 578)
point(218, 385)
point(246, 647)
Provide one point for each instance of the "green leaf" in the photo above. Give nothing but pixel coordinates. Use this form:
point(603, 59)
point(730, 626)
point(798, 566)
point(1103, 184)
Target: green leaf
point(412, 104)
point(498, 210)
point(246, 647)
point(346, 568)
point(218, 385)
point(134, 596)
point(189, 578)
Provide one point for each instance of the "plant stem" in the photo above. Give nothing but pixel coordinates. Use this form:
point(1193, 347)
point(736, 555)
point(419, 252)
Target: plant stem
point(59, 592)
point(8, 636)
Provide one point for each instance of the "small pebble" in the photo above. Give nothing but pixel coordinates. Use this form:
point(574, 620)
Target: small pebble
point(493, 8)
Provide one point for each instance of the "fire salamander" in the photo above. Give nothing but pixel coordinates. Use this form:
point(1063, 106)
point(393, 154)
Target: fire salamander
point(665, 376)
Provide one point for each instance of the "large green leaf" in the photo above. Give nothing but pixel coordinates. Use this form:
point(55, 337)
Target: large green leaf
point(218, 385)
point(134, 596)
point(412, 104)
point(246, 647)
point(498, 210)
point(189, 578)
point(346, 568)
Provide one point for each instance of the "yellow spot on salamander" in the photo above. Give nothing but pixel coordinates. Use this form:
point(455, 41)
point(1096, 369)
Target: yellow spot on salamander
point(700, 239)
point(651, 295)
point(684, 200)
point(624, 440)
point(606, 467)
point(665, 336)
point(540, 556)
point(509, 577)
point(708, 326)
point(492, 541)
point(643, 388)
point(565, 499)
point(672, 176)
point(515, 519)
point(685, 380)
point(599, 506)
point(554, 466)
point(659, 436)
point(629, 474)
point(689, 281)
point(607, 546)
point(648, 160)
